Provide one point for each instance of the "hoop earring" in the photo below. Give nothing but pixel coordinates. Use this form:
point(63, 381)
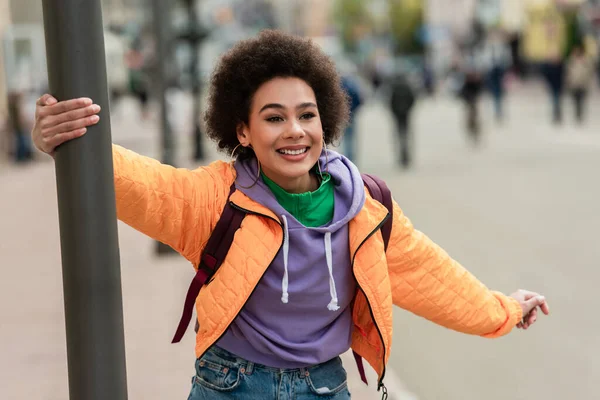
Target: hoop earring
point(235, 149)
point(257, 177)
point(326, 161)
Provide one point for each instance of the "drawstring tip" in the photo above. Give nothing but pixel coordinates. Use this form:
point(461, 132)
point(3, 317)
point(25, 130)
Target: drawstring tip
point(333, 306)
point(285, 298)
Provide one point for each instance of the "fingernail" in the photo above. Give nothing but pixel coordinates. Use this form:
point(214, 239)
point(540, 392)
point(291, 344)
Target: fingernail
point(95, 118)
point(87, 101)
point(50, 101)
point(541, 298)
point(95, 108)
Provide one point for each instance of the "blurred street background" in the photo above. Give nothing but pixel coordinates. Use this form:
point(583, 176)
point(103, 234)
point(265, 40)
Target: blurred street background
point(478, 114)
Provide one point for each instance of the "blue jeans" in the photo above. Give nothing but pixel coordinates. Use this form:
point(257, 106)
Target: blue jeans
point(222, 375)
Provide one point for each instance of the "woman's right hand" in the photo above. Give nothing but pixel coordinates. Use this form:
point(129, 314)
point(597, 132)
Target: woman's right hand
point(58, 122)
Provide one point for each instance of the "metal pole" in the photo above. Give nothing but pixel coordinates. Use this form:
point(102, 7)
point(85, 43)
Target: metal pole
point(86, 206)
point(162, 36)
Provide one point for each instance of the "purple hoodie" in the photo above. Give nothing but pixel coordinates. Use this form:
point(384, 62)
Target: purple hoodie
point(299, 314)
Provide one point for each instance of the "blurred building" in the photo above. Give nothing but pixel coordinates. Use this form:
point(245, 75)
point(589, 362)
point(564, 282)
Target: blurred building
point(121, 12)
point(513, 15)
point(24, 58)
point(454, 16)
point(304, 17)
point(4, 22)
point(316, 17)
point(26, 11)
point(448, 22)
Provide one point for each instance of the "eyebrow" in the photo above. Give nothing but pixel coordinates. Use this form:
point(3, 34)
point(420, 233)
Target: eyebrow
point(282, 107)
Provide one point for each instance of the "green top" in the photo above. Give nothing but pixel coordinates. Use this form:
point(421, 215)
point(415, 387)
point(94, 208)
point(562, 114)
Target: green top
point(311, 209)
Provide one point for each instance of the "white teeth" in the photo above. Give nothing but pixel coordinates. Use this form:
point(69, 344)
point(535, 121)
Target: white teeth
point(293, 152)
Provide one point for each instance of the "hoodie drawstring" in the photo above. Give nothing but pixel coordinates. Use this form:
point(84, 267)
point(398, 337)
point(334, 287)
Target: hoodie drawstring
point(333, 305)
point(285, 296)
point(286, 249)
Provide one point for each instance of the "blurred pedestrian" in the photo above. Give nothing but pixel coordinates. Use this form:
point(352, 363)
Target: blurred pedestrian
point(498, 60)
point(351, 87)
point(580, 74)
point(139, 61)
point(18, 126)
point(428, 77)
point(473, 80)
point(553, 73)
point(402, 100)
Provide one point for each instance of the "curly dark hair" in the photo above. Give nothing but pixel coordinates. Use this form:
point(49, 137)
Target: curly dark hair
point(252, 62)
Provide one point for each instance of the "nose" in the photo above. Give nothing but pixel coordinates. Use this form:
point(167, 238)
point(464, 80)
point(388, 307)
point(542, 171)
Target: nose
point(294, 131)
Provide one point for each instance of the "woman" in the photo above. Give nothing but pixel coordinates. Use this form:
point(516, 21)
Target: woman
point(306, 277)
point(580, 74)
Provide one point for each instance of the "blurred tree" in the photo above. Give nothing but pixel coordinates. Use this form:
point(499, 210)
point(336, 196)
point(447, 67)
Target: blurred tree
point(352, 17)
point(407, 25)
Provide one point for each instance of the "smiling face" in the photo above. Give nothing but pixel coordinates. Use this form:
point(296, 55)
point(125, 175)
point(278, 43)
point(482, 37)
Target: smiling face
point(285, 131)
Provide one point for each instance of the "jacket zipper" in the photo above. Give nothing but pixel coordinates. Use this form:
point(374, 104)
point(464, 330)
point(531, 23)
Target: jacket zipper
point(248, 298)
point(380, 382)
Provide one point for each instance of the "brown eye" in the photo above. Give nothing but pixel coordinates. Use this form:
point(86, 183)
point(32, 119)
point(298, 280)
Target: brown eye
point(274, 119)
point(308, 116)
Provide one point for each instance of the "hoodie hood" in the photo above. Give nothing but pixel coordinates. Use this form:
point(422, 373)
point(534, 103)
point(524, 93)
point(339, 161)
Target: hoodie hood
point(349, 189)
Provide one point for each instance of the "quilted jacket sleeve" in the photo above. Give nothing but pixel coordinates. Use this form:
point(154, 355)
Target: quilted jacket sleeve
point(428, 282)
point(175, 206)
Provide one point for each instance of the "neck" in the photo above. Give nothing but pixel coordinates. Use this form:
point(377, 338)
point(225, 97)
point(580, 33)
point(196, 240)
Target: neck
point(302, 184)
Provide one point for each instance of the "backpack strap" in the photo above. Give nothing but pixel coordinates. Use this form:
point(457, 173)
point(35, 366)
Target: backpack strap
point(212, 257)
point(380, 192)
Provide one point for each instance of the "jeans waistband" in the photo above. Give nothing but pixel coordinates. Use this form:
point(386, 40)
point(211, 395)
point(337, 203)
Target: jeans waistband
point(220, 352)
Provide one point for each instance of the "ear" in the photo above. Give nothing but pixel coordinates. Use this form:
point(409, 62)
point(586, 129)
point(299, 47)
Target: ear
point(242, 134)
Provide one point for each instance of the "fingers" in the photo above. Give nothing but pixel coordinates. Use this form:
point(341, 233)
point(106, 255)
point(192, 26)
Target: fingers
point(533, 302)
point(532, 316)
point(529, 319)
point(46, 100)
point(69, 126)
point(527, 294)
point(524, 324)
point(55, 141)
point(46, 109)
point(52, 121)
point(545, 308)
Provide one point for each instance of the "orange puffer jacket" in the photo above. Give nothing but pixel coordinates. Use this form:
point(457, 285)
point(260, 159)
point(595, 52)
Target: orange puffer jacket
point(181, 207)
